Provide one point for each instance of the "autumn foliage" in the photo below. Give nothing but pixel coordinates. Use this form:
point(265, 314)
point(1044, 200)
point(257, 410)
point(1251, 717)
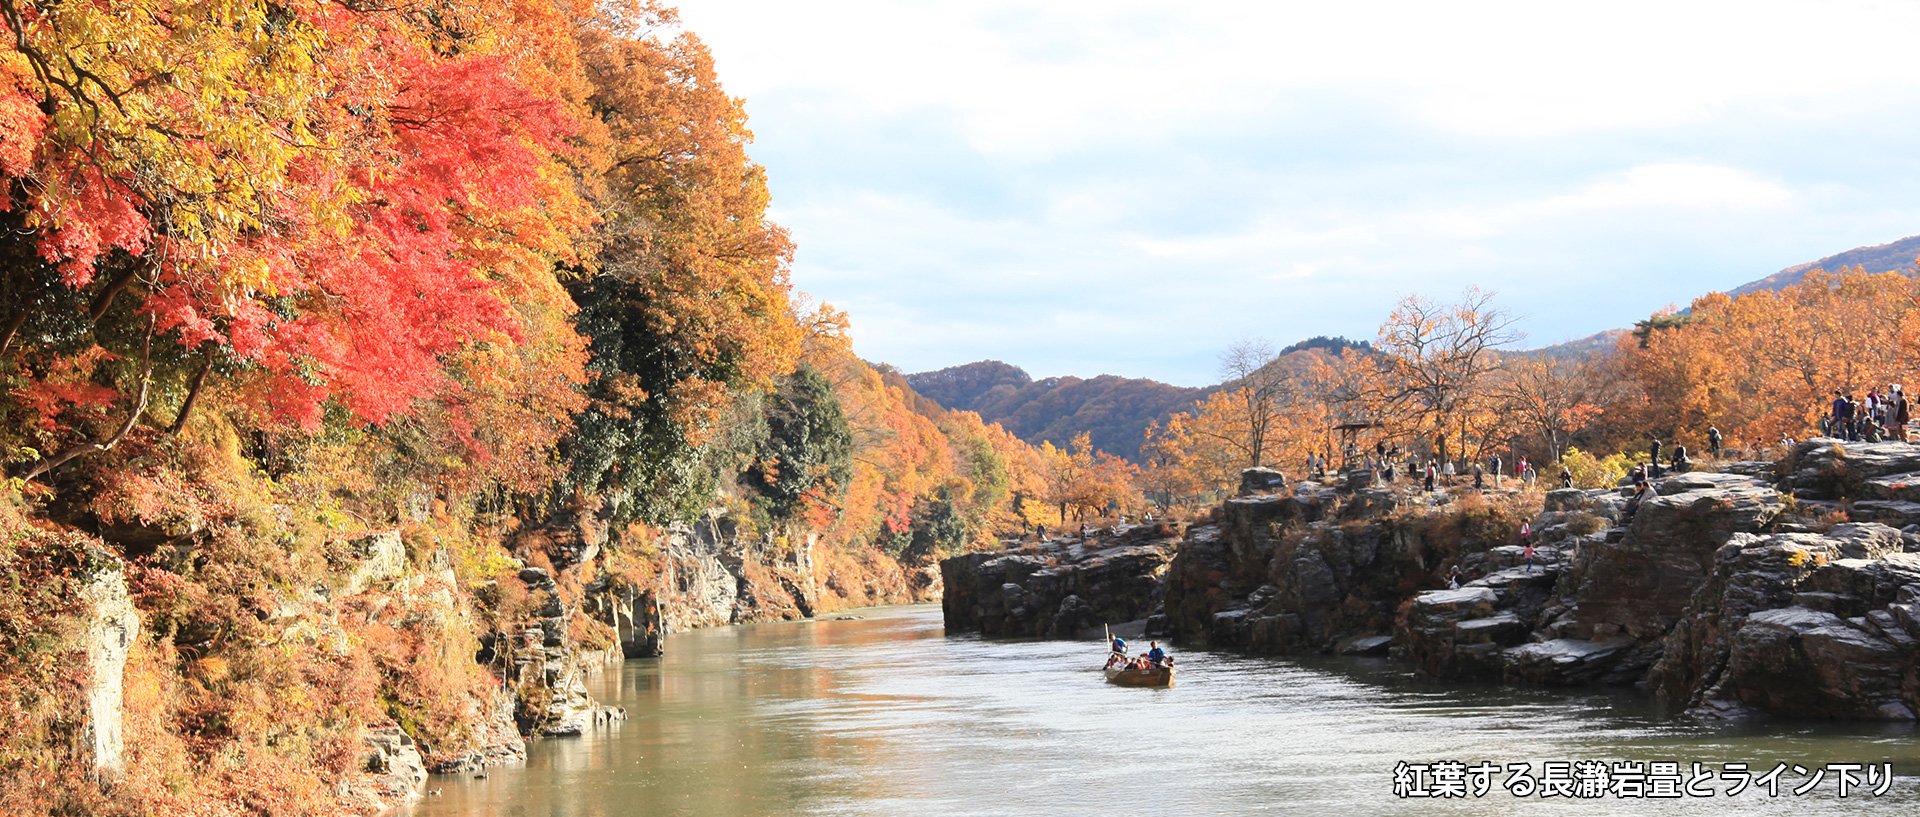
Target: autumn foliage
point(280, 275)
point(1444, 382)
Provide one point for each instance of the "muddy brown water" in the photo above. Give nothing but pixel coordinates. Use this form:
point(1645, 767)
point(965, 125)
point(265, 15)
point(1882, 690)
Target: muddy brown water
point(887, 716)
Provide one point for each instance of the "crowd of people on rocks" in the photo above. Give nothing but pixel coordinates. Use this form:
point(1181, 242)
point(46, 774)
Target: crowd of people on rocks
point(1881, 416)
point(1390, 464)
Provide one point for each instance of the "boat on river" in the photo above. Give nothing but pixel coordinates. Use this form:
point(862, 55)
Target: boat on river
point(1149, 677)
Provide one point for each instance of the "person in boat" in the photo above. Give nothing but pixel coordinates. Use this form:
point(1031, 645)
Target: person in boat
point(1156, 656)
point(1115, 660)
point(1119, 645)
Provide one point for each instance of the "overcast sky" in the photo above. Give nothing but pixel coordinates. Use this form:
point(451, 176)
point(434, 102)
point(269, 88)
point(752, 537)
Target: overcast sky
point(1126, 188)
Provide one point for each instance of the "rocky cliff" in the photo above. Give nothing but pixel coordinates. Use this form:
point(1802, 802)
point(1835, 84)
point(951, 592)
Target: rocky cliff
point(1065, 587)
point(710, 573)
point(1788, 588)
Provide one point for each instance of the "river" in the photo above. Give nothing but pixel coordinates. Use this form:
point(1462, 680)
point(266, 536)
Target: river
point(887, 716)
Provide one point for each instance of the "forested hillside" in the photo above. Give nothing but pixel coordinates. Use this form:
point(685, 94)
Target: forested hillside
point(1894, 256)
point(365, 369)
point(1113, 411)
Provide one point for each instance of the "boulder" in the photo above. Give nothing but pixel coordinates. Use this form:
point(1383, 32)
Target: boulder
point(1895, 512)
point(1505, 629)
point(1368, 645)
point(1113, 576)
point(1807, 663)
point(1437, 643)
point(1563, 661)
point(1751, 574)
point(1826, 468)
point(1642, 584)
point(1703, 481)
point(1261, 480)
point(1857, 540)
point(394, 761)
point(1904, 487)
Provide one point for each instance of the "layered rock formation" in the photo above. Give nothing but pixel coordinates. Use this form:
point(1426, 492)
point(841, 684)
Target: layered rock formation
point(712, 575)
point(1252, 579)
point(1062, 588)
point(543, 667)
point(1726, 594)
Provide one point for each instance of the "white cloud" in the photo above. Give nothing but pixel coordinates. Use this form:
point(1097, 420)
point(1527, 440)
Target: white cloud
point(1029, 78)
point(1676, 186)
point(1125, 186)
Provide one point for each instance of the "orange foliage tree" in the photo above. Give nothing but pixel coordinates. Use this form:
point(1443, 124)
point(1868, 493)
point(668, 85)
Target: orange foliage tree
point(1764, 365)
point(1550, 398)
point(1436, 359)
point(1085, 481)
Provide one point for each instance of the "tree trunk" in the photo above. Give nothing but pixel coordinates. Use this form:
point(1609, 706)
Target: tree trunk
point(193, 395)
point(105, 301)
point(12, 328)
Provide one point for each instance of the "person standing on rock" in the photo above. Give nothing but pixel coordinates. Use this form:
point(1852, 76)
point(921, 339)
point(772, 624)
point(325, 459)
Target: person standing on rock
point(1495, 462)
point(1566, 478)
point(1713, 441)
point(1901, 415)
point(1430, 475)
point(1526, 542)
point(1479, 477)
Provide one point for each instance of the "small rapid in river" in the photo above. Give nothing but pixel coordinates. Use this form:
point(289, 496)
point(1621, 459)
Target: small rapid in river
point(886, 716)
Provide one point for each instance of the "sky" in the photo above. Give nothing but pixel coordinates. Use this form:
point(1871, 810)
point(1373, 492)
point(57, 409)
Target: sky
point(1116, 187)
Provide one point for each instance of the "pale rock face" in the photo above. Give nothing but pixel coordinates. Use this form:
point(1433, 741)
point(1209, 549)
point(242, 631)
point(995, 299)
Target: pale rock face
point(381, 557)
point(110, 633)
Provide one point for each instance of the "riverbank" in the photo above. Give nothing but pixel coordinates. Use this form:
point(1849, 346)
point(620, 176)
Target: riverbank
point(889, 715)
point(1789, 588)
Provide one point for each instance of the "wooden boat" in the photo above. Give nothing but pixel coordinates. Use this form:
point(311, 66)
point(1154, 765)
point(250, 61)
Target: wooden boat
point(1149, 677)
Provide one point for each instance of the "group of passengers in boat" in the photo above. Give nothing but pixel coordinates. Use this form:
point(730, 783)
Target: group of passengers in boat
point(1154, 657)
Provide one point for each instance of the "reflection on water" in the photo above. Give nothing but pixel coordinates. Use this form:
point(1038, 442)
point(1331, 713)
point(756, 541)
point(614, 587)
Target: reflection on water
point(885, 716)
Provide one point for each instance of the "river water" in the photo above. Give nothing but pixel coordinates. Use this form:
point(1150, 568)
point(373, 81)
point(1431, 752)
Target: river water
point(887, 716)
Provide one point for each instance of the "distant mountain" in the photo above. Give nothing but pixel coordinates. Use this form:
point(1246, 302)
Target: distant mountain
point(1334, 345)
point(1604, 339)
point(1896, 256)
point(1113, 411)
